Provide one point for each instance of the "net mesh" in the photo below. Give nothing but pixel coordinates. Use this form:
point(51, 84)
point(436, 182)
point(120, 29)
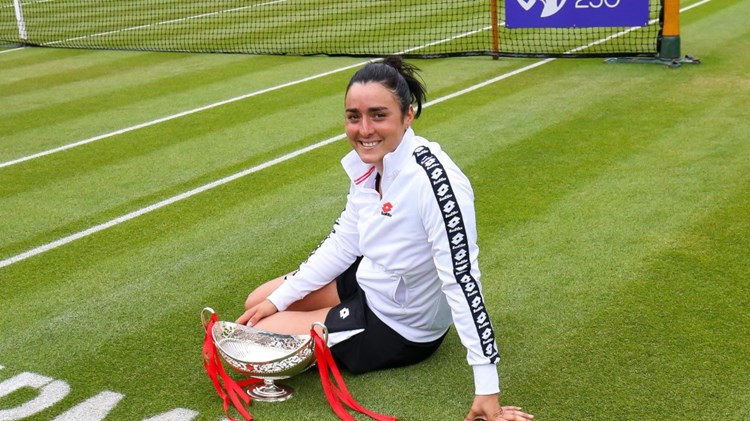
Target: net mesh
point(417, 28)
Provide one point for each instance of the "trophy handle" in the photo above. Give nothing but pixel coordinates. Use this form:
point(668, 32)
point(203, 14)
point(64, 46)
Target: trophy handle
point(324, 329)
point(205, 320)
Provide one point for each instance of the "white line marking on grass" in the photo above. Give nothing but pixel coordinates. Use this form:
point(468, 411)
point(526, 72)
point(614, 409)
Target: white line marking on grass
point(25, 3)
point(700, 3)
point(12, 49)
point(268, 164)
point(166, 202)
point(442, 41)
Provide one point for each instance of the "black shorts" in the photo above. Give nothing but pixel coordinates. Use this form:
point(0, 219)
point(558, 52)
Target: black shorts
point(378, 346)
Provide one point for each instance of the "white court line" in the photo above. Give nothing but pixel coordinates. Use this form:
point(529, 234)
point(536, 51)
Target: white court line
point(164, 203)
point(25, 3)
point(12, 49)
point(225, 180)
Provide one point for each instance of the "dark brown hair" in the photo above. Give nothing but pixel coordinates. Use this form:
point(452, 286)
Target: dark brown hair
point(397, 76)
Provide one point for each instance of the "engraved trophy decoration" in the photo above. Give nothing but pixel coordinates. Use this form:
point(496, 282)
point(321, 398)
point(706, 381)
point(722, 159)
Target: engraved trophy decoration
point(262, 355)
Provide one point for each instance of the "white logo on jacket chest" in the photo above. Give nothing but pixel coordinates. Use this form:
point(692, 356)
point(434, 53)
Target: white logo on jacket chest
point(344, 313)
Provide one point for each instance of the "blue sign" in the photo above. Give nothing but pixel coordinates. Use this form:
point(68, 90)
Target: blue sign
point(575, 13)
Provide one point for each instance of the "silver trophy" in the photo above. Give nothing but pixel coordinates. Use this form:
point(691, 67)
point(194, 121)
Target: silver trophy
point(264, 355)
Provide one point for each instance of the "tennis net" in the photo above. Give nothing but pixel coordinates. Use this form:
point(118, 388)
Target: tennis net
point(416, 28)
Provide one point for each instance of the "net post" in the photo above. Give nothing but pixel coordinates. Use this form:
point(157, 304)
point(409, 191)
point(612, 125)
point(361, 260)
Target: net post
point(670, 40)
point(495, 29)
point(20, 21)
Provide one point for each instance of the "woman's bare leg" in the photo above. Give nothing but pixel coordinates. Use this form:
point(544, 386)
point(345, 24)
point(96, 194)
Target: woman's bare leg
point(262, 292)
point(292, 322)
point(327, 296)
point(299, 317)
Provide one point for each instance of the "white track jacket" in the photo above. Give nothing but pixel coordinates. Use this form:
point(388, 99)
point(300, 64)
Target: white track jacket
point(419, 268)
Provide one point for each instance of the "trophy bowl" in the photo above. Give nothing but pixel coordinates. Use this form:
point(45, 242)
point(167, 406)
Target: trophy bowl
point(263, 355)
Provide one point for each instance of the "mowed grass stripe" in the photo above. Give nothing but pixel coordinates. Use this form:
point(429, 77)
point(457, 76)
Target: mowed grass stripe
point(126, 89)
point(609, 316)
point(139, 170)
point(675, 329)
point(142, 96)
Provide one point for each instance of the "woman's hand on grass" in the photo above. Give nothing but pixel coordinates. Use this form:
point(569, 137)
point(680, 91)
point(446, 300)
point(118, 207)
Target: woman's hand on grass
point(487, 407)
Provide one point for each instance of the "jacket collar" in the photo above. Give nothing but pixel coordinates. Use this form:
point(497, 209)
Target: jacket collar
point(363, 175)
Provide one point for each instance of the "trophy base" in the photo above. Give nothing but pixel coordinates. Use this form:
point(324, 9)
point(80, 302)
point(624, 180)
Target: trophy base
point(271, 392)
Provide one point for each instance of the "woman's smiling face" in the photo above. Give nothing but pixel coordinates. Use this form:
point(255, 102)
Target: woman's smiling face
point(375, 123)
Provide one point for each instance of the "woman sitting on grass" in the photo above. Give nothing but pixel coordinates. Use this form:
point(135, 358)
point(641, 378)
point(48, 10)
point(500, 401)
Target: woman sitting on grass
point(400, 265)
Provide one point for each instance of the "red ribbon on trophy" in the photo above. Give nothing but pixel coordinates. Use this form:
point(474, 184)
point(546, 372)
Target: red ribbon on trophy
point(337, 394)
point(233, 393)
point(228, 389)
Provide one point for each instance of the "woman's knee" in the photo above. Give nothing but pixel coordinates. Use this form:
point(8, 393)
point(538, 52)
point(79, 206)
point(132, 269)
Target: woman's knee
point(262, 292)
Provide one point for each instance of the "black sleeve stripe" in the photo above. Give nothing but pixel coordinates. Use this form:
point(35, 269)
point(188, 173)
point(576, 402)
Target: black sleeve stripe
point(454, 227)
